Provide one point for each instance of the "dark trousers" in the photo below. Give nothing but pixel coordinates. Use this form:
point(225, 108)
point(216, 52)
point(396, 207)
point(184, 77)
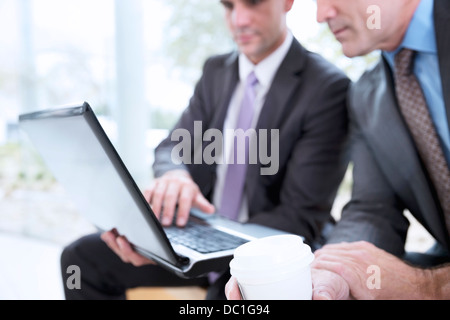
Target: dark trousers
point(104, 276)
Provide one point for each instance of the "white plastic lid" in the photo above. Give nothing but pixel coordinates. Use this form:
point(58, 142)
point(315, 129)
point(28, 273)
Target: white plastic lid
point(271, 257)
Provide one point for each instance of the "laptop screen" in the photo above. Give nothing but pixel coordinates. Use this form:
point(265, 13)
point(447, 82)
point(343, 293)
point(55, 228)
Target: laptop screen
point(75, 148)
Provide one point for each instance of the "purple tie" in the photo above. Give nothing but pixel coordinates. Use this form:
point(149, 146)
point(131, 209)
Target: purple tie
point(235, 176)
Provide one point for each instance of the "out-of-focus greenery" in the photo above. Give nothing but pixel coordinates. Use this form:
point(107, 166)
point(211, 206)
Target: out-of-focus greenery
point(22, 168)
point(195, 30)
point(162, 119)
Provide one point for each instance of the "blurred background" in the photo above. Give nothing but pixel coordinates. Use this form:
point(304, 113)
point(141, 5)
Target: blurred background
point(136, 63)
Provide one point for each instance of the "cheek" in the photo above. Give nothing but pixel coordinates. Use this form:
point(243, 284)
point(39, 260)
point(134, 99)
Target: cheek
point(371, 39)
point(355, 44)
point(228, 21)
point(365, 36)
point(271, 28)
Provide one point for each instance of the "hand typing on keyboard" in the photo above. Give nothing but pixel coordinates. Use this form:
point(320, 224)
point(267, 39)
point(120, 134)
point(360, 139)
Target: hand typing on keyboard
point(176, 188)
point(203, 238)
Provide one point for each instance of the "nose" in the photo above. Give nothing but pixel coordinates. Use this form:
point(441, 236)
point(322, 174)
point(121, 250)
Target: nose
point(241, 15)
point(325, 10)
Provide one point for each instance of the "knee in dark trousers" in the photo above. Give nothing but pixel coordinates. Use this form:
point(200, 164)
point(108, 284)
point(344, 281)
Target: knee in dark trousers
point(104, 276)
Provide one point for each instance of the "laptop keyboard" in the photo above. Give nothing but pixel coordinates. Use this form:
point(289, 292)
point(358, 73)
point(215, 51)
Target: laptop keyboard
point(203, 238)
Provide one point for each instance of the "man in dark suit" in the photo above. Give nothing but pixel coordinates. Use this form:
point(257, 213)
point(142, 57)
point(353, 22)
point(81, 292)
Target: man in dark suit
point(399, 118)
point(298, 93)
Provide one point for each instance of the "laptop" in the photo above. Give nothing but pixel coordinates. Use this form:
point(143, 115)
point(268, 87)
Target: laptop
point(78, 152)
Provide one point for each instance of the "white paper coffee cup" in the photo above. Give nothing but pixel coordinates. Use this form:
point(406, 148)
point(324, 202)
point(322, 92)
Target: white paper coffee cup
point(274, 268)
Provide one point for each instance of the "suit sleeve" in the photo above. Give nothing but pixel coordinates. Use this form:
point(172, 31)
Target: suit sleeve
point(374, 213)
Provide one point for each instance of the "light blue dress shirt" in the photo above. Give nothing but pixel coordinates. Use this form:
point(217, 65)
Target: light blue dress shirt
point(421, 37)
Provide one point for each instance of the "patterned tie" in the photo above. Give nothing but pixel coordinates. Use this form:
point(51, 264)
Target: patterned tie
point(235, 176)
point(414, 109)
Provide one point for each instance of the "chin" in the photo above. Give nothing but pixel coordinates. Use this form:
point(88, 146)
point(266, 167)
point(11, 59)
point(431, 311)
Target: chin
point(352, 52)
point(247, 49)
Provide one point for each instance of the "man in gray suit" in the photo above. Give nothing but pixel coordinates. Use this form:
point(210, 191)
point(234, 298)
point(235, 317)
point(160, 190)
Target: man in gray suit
point(298, 93)
point(400, 115)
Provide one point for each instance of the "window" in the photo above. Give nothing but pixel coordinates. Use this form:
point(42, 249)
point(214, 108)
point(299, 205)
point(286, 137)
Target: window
point(124, 58)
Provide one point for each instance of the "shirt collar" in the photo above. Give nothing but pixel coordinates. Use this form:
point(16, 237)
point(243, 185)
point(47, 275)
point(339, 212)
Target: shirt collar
point(420, 35)
point(266, 69)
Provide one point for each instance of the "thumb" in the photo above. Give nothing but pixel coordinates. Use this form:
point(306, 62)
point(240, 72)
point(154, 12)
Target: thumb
point(322, 293)
point(328, 285)
point(232, 291)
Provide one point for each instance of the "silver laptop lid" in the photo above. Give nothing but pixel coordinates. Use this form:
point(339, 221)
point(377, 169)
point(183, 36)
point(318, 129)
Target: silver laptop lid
point(78, 152)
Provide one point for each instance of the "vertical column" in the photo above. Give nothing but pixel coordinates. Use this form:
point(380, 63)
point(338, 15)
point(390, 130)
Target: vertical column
point(27, 65)
point(131, 112)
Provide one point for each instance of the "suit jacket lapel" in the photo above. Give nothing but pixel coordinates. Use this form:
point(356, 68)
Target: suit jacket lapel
point(397, 153)
point(276, 105)
point(441, 21)
point(283, 85)
point(225, 89)
point(388, 132)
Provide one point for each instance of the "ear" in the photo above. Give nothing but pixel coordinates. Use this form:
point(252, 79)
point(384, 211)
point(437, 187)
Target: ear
point(288, 5)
